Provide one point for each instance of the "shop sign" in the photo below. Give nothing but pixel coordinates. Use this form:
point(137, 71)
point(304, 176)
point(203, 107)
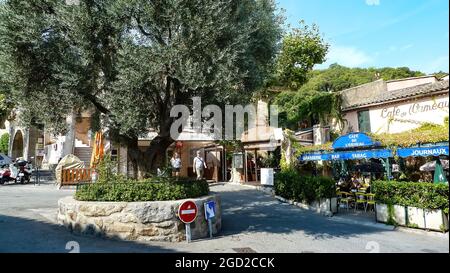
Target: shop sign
point(423, 151)
point(353, 140)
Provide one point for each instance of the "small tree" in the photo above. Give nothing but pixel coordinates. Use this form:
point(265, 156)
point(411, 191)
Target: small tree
point(4, 143)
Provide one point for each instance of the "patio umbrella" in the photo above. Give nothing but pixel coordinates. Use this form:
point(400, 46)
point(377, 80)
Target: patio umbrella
point(430, 166)
point(97, 149)
point(439, 176)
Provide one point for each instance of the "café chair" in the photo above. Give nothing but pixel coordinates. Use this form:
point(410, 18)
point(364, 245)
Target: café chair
point(345, 198)
point(370, 200)
point(360, 199)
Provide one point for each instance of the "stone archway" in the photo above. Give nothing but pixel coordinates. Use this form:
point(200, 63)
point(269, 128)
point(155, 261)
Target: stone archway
point(17, 145)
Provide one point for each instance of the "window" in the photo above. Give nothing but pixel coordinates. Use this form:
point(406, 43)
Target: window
point(364, 121)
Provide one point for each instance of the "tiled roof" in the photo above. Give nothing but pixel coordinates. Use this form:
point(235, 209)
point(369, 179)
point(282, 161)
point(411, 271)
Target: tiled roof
point(424, 89)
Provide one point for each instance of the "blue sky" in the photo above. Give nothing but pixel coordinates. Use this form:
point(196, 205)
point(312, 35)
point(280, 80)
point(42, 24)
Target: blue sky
point(379, 33)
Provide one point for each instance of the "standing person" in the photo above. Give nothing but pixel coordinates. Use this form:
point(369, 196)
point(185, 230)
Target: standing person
point(175, 161)
point(199, 166)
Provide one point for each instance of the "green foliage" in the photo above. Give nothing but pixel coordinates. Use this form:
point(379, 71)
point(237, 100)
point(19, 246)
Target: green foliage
point(291, 185)
point(318, 100)
point(272, 160)
point(106, 169)
point(300, 51)
point(412, 194)
point(426, 133)
point(337, 77)
point(4, 143)
point(132, 60)
point(155, 189)
point(315, 106)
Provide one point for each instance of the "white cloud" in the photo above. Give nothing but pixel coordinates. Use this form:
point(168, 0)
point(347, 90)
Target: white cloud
point(347, 56)
point(373, 2)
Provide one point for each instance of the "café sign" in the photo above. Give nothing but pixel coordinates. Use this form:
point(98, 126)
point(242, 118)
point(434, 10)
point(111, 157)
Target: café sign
point(353, 140)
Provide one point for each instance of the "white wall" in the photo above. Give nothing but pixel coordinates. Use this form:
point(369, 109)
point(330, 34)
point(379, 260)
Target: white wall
point(403, 116)
point(406, 116)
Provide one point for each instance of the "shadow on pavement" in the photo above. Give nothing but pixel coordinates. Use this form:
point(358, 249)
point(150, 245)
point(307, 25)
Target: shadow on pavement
point(248, 211)
point(24, 235)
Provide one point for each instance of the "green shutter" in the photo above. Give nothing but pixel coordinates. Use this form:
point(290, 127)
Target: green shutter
point(364, 121)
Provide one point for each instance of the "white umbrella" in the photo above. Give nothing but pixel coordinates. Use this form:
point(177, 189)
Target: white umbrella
point(430, 166)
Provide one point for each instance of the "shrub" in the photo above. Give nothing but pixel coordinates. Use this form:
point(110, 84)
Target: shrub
point(4, 143)
point(291, 185)
point(154, 189)
point(412, 194)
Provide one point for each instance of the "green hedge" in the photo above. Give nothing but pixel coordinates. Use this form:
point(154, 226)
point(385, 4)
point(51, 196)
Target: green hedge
point(155, 189)
point(412, 194)
point(291, 185)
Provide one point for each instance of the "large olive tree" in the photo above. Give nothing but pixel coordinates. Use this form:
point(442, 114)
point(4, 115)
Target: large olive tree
point(132, 60)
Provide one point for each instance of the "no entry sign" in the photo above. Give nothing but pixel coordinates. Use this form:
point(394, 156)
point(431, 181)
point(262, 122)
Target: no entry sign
point(187, 212)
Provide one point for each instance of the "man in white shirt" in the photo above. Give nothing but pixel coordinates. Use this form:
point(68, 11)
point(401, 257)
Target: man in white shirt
point(199, 166)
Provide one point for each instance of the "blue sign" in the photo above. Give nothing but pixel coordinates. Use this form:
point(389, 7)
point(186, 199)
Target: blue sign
point(353, 140)
point(313, 157)
point(423, 151)
point(385, 153)
point(210, 210)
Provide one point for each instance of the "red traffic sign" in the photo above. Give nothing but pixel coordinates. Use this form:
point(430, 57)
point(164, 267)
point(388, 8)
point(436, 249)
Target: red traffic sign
point(187, 212)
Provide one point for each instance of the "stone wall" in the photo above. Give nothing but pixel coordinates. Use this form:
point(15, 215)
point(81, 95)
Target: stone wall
point(140, 221)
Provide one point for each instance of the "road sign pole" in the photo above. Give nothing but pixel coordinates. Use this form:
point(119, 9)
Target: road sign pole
point(210, 228)
point(188, 233)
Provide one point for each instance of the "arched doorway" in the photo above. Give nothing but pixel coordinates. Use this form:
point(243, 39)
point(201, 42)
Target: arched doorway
point(17, 146)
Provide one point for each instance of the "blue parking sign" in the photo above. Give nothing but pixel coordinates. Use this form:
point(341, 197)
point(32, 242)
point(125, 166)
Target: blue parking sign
point(210, 210)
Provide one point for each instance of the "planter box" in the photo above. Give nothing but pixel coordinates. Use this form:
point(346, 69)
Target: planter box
point(328, 204)
point(413, 217)
point(416, 217)
point(436, 220)
point(398, 214)
point(381, 212)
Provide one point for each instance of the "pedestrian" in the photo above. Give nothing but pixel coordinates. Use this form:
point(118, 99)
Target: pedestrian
point(199, 166)
point(175, 161)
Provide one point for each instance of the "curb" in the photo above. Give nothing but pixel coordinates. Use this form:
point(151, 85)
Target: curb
point(339, 219)
point(423, 232)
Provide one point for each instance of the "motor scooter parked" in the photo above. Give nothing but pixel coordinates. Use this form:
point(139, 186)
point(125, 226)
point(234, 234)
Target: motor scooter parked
point(5, 174)
point(25, 171)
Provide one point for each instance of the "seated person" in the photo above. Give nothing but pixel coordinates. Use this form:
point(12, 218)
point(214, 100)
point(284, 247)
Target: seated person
point(355, 184)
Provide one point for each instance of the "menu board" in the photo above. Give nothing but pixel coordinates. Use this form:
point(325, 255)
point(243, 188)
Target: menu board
point(238, 160)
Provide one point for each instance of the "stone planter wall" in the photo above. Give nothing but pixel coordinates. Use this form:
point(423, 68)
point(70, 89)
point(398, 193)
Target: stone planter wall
point(413, 217)
point(140, 221)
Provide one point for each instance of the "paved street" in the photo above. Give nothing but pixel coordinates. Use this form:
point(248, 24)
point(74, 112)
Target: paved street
point(251, 219)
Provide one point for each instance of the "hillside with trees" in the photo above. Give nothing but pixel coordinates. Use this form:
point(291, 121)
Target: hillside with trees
point(317, 99)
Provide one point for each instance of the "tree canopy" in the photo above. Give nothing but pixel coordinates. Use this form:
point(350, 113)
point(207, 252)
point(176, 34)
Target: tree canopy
point(132, 60)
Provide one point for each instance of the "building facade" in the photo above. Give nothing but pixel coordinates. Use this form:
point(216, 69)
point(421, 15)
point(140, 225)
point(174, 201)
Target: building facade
point(395, 106)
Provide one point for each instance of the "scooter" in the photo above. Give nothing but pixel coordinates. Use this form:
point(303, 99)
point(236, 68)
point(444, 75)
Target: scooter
point(5, 175)
point(25, 171)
